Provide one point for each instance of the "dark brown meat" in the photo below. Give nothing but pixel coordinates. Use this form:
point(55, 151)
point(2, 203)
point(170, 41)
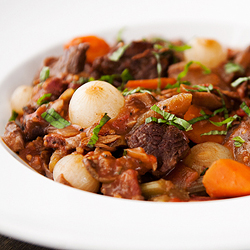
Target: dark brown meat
point(104, 167)
point(125, 186)
point(34, 124)
point(167, 143)
point(14, 137)
point(242, 153)
point(37, 156)
point(137, 58)
point(72, 61)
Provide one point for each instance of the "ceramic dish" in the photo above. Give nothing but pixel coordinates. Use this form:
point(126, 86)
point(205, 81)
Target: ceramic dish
point(38, 210)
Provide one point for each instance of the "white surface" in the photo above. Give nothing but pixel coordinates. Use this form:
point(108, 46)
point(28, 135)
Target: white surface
point(35, 209)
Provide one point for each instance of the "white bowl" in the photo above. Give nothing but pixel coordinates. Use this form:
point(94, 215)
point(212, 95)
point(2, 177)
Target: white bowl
point(38, 210)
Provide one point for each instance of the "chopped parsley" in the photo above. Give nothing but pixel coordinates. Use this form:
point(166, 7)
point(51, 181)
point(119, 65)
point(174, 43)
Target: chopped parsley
point(240, 80)
point(238, 141)
point(42, 99)
point(199, 88)
point(245, 108)
point(215, 132)
point(232, 67)
point(227, 121)
point(159, 71)
point(52, 117)
point(169, 119)
point(44, 74)
point(116, 55)
point(186, 69)
point(96, 130)
point(14, 115)
point(124, 76)
point(126, 92)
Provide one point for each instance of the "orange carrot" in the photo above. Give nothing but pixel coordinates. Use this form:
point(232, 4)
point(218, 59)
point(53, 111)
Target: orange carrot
point(97, 46)
point(227, 178)
point(150, 83)
point(204, 126)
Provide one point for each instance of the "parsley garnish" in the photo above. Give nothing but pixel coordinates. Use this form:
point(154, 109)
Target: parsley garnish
point(240, 80)
point(14, 115)
point(52, 117)
point(96, 130)
point(44, 74)
point(227, 121)
point(215, 132)
point(126, 92)
point(42, 100)
point(186, 68)
point(238, 141)
point(245, 108)
point(169, 119)
point(200, 88)
point(232, 67)
point(159, 71)
point(125, 76)
point(116, 55)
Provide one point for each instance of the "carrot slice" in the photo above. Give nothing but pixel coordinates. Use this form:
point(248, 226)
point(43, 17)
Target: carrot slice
point(97, 46)
point(204, 126)
point(227, 178)
point(150, 83)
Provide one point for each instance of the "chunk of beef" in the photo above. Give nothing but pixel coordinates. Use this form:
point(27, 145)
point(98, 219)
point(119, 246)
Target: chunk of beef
point(34, 124)
point(53, 86)
point(138, 58)
point(167, 143)
point(72, 61)
point(37, 156)
point(14, 137)
point(242, 153)
point(104, 167)
point(125, 186)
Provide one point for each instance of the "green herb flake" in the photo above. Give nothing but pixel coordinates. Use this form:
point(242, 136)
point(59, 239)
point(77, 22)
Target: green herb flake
point(240, 80)
point(44, 74)
point(126, 92)
point(169, 119)
point(232, 67)
point(179, 48)
point(159, 71)
point(52, 117)
point(238, 141)
point(42, 99)
point(116, 55)
point(227, 121)
point(245, 108)
point(186, 69)
point(96, 130)
point(215, 132)
point(204, 171)
point(14, 115)
point(200, 88)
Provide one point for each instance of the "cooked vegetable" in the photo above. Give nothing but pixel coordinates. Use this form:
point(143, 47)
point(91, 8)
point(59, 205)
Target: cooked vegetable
point(20, 98)
point(202, 155)
point(227, 178)
point(97, 46)
point(206, 51)
point(70, 170)
point(150, 83)
point(92, 100)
